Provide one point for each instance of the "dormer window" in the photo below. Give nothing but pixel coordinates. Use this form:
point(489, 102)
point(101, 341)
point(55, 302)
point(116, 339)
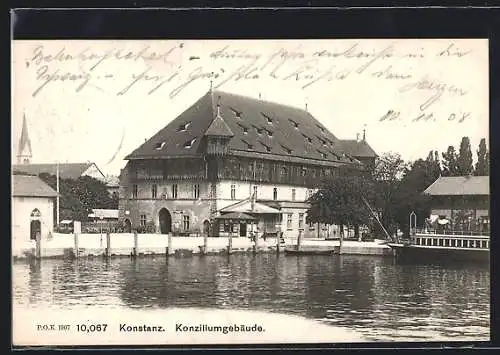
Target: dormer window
point(269, 133)
point(258, 130)
point(323, 142)
point(268, 148)
point(323, 154)
point(269, 119)
point(183, 127)
point(236, 113)
point(249, 145)
point(189, 143)
point(308, 139)
point(321, 128)
point(159, 146)
point(294, 124)
point(244, 128)
point(286, 149)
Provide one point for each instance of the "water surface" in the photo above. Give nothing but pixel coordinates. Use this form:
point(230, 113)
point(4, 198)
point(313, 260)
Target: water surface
point(375, 296)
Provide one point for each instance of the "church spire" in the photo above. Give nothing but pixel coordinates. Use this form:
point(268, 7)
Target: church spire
point(24, 151)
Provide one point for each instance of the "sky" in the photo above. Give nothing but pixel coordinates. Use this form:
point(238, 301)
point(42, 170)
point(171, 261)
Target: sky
point(99, 100)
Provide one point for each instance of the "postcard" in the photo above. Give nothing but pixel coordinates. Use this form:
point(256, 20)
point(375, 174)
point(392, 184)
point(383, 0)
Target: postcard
point(194, 192)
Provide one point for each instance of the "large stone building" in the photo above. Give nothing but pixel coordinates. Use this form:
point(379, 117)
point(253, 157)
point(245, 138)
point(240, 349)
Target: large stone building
point(232, 164)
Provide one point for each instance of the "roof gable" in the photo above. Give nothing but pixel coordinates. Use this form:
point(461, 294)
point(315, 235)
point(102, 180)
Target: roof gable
point(459, 185)
point(31, 186)
point(219, 128)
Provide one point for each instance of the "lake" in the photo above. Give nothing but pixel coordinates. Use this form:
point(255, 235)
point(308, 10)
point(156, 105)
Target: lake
point(378, 298)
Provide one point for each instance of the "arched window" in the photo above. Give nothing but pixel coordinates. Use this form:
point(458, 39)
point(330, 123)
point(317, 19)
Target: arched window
point(35, 213)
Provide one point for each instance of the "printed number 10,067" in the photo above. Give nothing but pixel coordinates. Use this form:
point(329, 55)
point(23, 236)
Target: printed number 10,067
point(91, 327)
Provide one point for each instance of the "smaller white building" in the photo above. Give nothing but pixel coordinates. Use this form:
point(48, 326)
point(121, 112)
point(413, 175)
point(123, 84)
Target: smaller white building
point(32, 210)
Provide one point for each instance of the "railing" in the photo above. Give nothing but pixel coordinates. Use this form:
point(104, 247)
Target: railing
point(453, 232)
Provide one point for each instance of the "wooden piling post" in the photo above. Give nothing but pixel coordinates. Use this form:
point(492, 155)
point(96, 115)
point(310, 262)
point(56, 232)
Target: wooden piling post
point(299, 241)
point(136, 244)
point(278, 242)
point(205, 243)
point(169, 244)
point(38, 251)
point(108, 245)
point(230, 244)
point(77, 248)
point(340, 244)
point(255, 243)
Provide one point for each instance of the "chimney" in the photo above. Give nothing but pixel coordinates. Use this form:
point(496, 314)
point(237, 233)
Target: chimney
point(364, 134)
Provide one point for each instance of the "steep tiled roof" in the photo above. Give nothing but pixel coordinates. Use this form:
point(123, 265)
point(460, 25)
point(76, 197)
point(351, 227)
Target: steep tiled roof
point(459, 185)
point(31, 186)
point(66, 170)
point(358, 149)
point(257, 126)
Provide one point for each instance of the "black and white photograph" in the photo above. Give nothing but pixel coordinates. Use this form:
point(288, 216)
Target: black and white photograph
point(191, 192)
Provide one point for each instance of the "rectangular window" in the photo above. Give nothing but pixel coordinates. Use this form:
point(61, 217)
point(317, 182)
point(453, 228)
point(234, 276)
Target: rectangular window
point(154, 191)
point(196, 191)
point(311, 225)
point(289, 221)
point(134, 191)
point(185, 222)
point(174, 191)
point(255, 191)
point(301, 221)
point(275, 194)
point(233, 192)
point(293, 194)
point(143, 220)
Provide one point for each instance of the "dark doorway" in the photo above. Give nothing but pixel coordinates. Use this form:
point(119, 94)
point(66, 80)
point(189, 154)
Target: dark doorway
point(243, 229)
point(128, 226)
point(165, 221)
point(35, 228)
point(206, 227)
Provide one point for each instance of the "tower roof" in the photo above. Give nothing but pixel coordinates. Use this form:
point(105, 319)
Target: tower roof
point(219, 127)
point(24, 148)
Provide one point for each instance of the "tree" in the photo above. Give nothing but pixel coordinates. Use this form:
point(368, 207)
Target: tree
point(483, 161)
point(78, 197)
point(409, 198)
point(450, 162)
point(341, 199)
point(389, 169)
point(464, 161)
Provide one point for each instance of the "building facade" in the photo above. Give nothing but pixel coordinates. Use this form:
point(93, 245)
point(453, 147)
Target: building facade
point(462, 200)
point(32, 209)
point(229, 155)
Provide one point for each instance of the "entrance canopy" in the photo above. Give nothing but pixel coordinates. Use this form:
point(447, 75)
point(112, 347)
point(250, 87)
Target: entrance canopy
point(236, 216)
point(249, 206)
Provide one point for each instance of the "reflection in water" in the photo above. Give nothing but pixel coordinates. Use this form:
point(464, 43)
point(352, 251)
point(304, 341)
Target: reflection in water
point(374, 295)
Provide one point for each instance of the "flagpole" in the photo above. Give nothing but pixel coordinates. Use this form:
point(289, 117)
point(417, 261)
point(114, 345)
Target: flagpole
point(57, 184)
